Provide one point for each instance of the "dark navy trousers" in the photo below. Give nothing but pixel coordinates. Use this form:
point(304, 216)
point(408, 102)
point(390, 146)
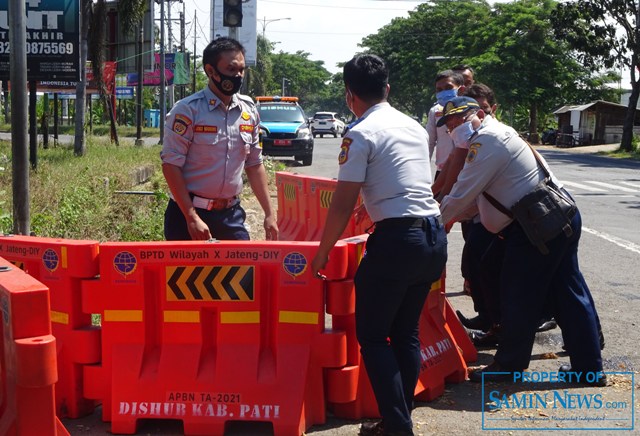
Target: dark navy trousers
point(530, 278)
point(392, 283)
point(227, 224)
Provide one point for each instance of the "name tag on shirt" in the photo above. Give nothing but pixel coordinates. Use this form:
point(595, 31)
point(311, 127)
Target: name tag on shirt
point(206, 129)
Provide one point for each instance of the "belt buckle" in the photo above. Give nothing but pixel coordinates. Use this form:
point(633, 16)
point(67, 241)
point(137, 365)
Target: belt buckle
point(217, 204)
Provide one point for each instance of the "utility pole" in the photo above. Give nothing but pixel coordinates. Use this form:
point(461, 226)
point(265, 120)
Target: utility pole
point(195, 26)
point(18, 78)
point(163, 98)
point(140, 84)
point(171, 50)
point(182, 47)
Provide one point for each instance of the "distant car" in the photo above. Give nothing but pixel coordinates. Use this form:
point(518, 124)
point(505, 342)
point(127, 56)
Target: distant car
point(327, 122)
point(284, 129)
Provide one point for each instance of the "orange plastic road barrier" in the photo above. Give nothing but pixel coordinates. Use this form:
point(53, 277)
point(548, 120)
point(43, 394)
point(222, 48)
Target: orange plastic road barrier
point(459, 333)
point(440, 355)
point(319, 192)
point(27, 357)
point(62, 264)
point(292, 206)
point(211, 333)
point(349, 391)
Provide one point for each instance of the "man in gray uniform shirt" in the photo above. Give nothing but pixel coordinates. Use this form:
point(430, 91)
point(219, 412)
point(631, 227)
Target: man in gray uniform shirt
point(501, 163)
point(210, 137)
point(386, 155)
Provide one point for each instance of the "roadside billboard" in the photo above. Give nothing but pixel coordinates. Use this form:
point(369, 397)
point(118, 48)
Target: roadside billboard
point(246, 34)
point(53, 40)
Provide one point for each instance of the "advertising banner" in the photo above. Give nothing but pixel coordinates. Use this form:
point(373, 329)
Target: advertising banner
point(176, 71)
point(68, 86)
point(53, 40)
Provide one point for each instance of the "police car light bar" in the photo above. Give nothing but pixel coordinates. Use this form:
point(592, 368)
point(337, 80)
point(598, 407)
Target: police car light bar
point(277, 98)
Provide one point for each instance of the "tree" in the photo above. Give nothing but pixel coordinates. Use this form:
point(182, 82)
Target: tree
point(79, 147)
point(417, 47)
point(305, 77)
point(519, 57)
point(97, 44)
point(261, 74)
point(605, 33)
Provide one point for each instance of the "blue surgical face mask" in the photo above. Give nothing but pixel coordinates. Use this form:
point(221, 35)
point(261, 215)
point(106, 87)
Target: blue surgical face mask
point(461, 134)
point(446, 95)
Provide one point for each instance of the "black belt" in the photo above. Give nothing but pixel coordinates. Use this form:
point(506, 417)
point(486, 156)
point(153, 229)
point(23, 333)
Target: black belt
point(406, 222)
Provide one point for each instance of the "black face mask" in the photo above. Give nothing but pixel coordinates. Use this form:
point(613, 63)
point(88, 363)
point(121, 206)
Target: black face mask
point(228, 85)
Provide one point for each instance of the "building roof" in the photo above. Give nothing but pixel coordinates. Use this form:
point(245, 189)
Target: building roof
point(582, 107)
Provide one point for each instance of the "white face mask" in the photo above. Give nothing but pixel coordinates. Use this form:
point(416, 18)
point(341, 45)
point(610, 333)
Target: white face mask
point(349, 96)
point(461, 134)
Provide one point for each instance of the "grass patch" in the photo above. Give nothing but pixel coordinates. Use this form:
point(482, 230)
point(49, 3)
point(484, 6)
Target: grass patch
point(621, 154)
point(75, 197)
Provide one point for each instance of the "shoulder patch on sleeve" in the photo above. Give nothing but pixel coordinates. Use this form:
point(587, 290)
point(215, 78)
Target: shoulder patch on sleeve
point(344, 150)
point(180, 124)
point(473, 152)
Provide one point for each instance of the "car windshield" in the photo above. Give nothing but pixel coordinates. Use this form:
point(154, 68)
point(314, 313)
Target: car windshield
point(281, 114)
point(323, 116)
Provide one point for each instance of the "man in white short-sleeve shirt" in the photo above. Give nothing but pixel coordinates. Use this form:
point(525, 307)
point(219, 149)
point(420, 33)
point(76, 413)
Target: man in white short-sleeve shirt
point(386, 155)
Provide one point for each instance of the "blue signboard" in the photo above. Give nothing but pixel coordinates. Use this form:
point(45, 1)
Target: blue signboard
point(53, 40)
point(124, 92)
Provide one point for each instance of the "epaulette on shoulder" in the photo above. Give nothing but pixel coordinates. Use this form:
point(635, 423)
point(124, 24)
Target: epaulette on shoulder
point(246, 98)
point(195, 96)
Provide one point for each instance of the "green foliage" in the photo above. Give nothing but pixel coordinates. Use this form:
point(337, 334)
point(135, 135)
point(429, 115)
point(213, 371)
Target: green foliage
point(413, 48)
point(604, 33)
point(130, 13)
point(76, 198)
point(305, 77)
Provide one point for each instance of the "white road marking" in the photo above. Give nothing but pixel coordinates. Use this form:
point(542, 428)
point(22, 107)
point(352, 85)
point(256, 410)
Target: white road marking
point(581, 186)
point(611, 186)
point(635, 185)
point(618, 241)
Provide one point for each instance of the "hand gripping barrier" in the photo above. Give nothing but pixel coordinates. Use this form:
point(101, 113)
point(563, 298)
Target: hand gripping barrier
point(211, 333)
point(27, 357)
point(62, 264)
point(292, 206)
point(348, 389)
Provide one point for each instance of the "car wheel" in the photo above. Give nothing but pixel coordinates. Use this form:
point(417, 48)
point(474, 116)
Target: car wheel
point(314, 135)
point(322, 135)
point(307, 160)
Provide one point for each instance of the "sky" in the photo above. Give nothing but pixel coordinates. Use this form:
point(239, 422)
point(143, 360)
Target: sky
point(329, 30)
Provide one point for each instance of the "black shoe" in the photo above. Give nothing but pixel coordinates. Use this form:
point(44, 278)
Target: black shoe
point(547, 324)
point(377, 429)
point(475, 323)
point(600, 377)
point(502, 375)
point(489, 339)
point(371, 429)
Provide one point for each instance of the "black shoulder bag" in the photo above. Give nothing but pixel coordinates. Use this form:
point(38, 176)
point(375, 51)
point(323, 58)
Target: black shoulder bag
point(543, 213)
